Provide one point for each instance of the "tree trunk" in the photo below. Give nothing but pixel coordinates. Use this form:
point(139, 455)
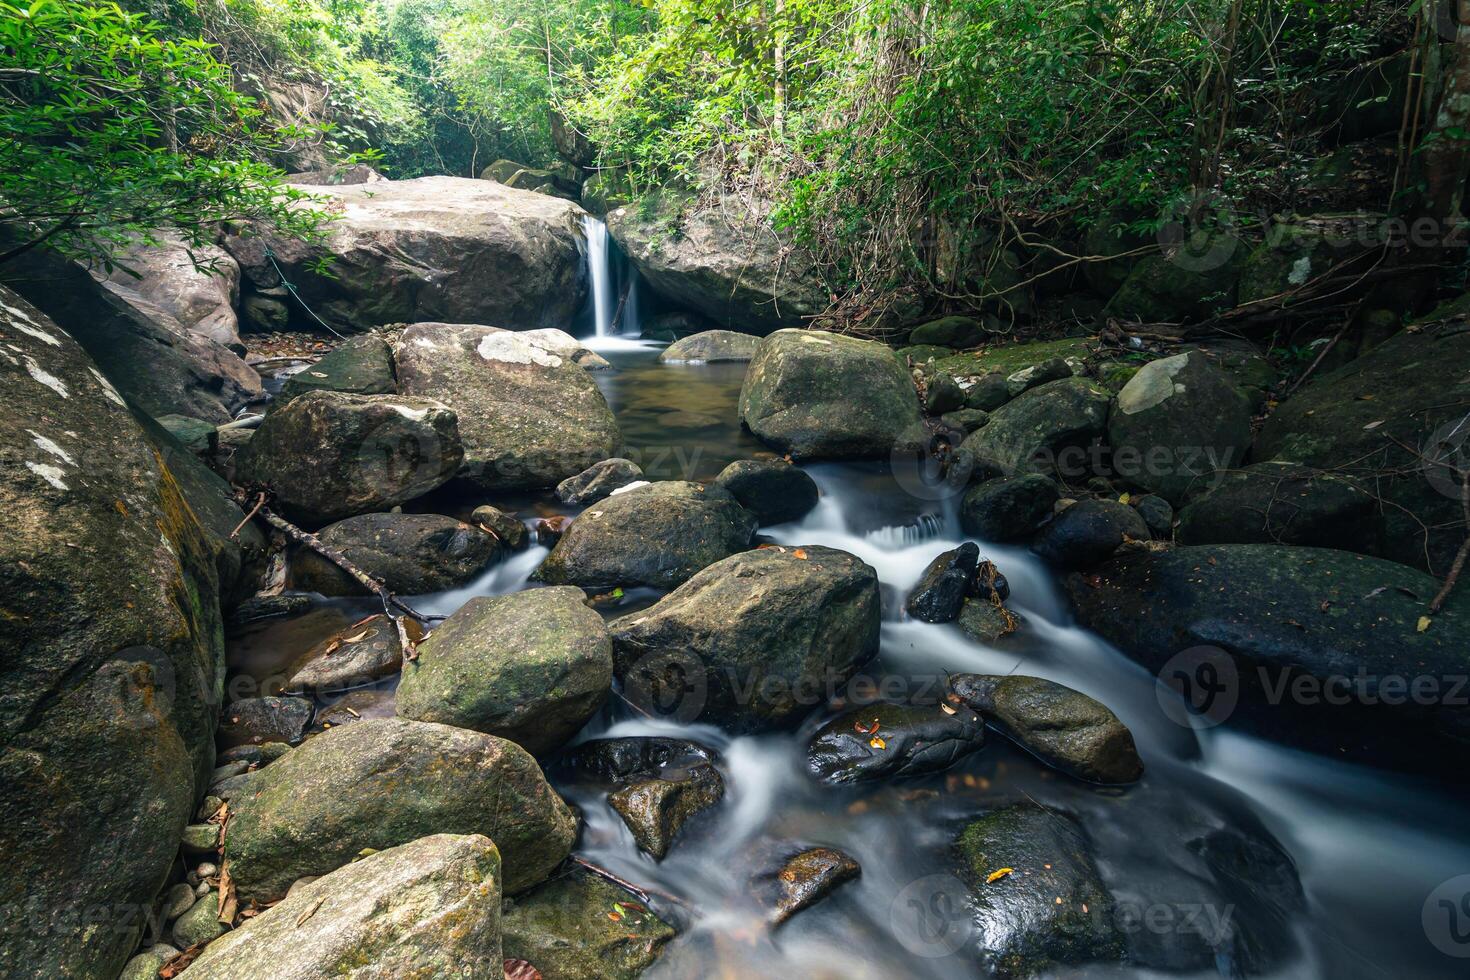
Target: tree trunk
point(1446, 151)
point(780, 66)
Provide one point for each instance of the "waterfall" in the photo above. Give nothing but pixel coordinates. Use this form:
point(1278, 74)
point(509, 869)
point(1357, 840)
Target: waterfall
point(600, 266)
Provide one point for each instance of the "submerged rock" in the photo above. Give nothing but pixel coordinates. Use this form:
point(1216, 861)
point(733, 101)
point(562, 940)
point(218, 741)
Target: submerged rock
point(598, 481)
point(329, 455)
point(565, 930)
point(710, 347)
point(269, 719)
point(531, 667)
point(893, 741)
point(1062, 727)
point(656, 535)
point(380, 783)
point(771, 489)
point(820, 395)
point(655, 810)
point(801, 880)
point(942, 588)
point(412, 554)
point(364, 652)
point(1088, 532)
point(752, 642)
point(1008, 508)
point(426, 908)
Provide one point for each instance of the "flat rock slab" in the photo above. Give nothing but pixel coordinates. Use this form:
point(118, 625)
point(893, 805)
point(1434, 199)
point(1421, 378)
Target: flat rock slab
point(893, 741)
point(566, 929)
point(412, 554)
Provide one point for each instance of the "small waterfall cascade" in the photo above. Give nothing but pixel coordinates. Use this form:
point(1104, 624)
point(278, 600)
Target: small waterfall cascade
point(599, 265)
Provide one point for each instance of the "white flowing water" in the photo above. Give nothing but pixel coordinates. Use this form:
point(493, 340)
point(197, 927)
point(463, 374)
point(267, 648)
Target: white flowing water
point(599, 268)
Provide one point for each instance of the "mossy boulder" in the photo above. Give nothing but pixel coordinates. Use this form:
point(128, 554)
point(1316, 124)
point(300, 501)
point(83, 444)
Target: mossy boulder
point(773, 490)
point(563, 929)
point(1190, 282)
point(360, 366)
point(710, 347)
point(956, 332)
point(1088, 532)
point(1008, 508)
point(412, 554)
point(1284, 503)
point(1044, 429)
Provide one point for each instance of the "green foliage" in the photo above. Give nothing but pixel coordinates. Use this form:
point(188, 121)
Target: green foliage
point(111, 129)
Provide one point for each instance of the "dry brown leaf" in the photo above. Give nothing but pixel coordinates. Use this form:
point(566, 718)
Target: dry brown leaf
point(521, 970)
point(800, 554)
point(309, 911)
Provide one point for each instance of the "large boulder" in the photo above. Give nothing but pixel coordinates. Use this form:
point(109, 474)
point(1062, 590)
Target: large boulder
point(430, 907)
point(114, 653)
point(412, 554)
point(1176, 424)
point(723, 262)
point(1008, 508)
point(1319, 647)
point(1049, 429)
point(1088, 532)
point(823, 395)
point(383, 782)
point(360, 366)
point(528, 416)
point(329, 455)
point(1189, 282)
point(434, 248)
point(760, 638)
point(531, 667)
point(197, 285)
point(565, 928)
point(771, 489)
point(710, 347)
point(1388, 420)
point(1284, 503)
point(658, 535)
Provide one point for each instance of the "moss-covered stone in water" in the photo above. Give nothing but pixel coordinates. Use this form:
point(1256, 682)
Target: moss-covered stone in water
point(580, 927)
point(361, 366)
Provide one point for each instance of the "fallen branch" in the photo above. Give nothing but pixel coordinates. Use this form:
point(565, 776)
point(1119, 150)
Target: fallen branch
point(628, 886)
point(1459, 563)
point(259, 503)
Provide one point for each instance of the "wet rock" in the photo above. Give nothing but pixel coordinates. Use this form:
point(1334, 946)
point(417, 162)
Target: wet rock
point(360, 366)
point(908, 740)
point(801, 880)
point(200, 924)
point(531, 667)
point(364, 652)
point(328, 455)
point(1062, 727)
point(380, 783)
point(145, 965)
point(259, 608)
point(656, 535)
point(1176, 424)
point(951, 331)
point(988, 622)
point(966, 420)
point(1051, 909)
point(412, 554)
point(1045, 430)
point(655, 810)
point(1008, 508)
point(510, 529)
point(548, 530)
point(710, 347)
point(942, 394)
point(270, 719)
point(564, 930)
point(598, 481)
point(1157, 513)
point(1036, 375)
point(529, 417)
point(820, 395)
point(941, 589)
point(772, 489)
point(620, 760)
point(255, 755)
point(1088, 532)
point(435, 248)
point(426, 908)
point(1284, 503)
point(752, 642)
point(988, 583)
point(988, 392)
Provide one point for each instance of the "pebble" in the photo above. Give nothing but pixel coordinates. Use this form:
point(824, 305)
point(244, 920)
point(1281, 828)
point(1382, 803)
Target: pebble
point(177, 900)
point(200, 924)
point(201, 838)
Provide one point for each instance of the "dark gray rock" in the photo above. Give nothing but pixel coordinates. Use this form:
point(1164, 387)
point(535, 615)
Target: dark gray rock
point(773, 490)
point(799, 880)
point(942, 588)
point(598, 481)
point(412, 554)
point(360, 366)
point(1157, 513)
point(360, 654)
point(1284, 503)
point(1009, 508)
point(1088, 532)
point(893, 741)
point(942, 394)
point(988, 392)
point(268, 719)
point(623, 760)
point(509, 529)
point(655, 810)
point(1048, 429)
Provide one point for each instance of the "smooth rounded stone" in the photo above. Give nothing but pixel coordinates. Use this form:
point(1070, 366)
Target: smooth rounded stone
point(753, 642)
point(1176, 423)
point(619, 760)
point(1052, 909)
point(200, 924)
point(1349, 624)
point(893, 741)
point(511, 530)
point(772, 489)
point(196, 435)
point(411, 554)
point(818, 395)
point(941, 589)
point(228, 789)
point(384, 782)
point(1036, 375)
point(206, 869)
point(208, 807)
point(360, 366)
point(951, 331)
point(1064, 728)
point(564, 928)
point(988, 392)
point(268, 719)
point(656, 535)
point(176, 901)
point(1088, 532)
point(655, 810)
point(1042, 430)
point(943, 394)
point(301, 883)
point(1157, 513)
point(562, 343)
point(1008, 508)
point(529, 417)
point(427, 908)
point(329, 455)
point(230, 768)
point(1284, 503)
point(364, 652)
point(800, 880)
point(201, 838)
point(966, 420)
point(598, 481)
point(256, 755)
point(145, 965)
point(710, 347)
point(531, 667)
point(988, 622)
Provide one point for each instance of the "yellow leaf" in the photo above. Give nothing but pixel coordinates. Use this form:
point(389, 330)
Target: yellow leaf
point(1424, 622)
point(995, 876)
point(877, 743)
point(1125, 498)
